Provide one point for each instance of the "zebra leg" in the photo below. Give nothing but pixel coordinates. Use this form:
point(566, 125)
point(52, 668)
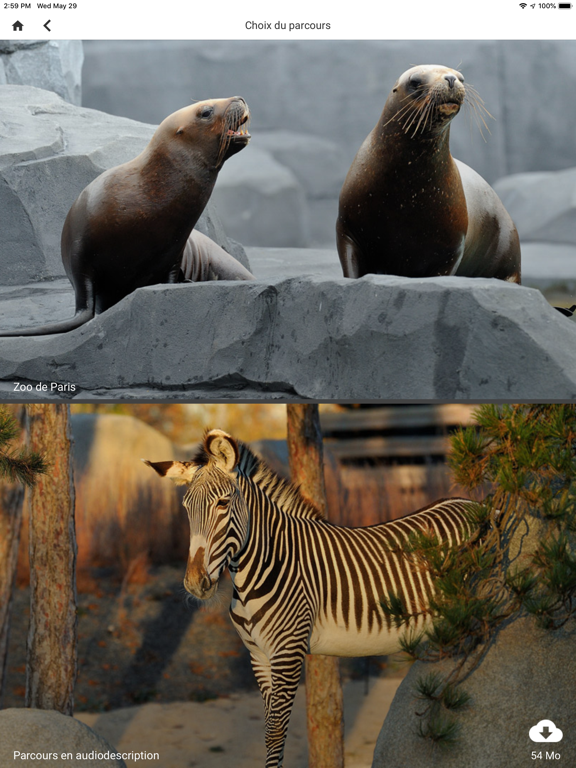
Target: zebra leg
point(278, 680)
point(286, 667)
point(263, 675)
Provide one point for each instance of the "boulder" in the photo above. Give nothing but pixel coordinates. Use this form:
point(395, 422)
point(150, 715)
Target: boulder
point(49, 151)
point(55, 65)
point(379, 337)
point(261, 201)
point(542, 205)
point(524, 677)
point(47, 737)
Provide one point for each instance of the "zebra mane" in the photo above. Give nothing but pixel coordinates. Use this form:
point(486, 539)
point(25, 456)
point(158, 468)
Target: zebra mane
point(282, 492)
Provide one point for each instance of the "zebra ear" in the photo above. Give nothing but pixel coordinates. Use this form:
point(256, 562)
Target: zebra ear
point(222, 448)
point(180, 472)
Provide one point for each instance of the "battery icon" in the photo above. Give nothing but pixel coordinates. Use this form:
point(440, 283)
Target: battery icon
point(564, 5)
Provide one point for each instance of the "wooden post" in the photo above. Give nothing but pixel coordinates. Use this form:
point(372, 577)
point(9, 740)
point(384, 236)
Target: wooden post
point(325, 712)
point(51, 661)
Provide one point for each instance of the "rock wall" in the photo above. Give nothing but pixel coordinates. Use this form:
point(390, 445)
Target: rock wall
point(55, 65)
point(335, 89)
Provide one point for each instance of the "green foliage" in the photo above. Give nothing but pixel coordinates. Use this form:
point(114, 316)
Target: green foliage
point(395, 610)
point(430, 686)
point(17, 464)
point(411, 642)
point(442, 730)
point(455, 698)
point(522, 460)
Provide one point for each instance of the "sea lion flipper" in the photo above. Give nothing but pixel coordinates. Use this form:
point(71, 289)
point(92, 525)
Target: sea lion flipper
point(203, 260)
point(80, 318)
point(351, 256)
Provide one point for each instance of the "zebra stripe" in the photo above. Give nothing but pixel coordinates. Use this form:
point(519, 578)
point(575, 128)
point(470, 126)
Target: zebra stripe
point(300, 584)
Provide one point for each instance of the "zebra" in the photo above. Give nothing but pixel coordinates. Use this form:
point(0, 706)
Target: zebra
point(300, 584)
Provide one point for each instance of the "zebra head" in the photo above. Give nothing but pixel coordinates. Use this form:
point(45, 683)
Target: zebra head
point(216, 509)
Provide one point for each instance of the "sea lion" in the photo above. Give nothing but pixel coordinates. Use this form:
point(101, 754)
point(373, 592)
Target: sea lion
point(408, 207)
point(133, 225)
point(203, 260)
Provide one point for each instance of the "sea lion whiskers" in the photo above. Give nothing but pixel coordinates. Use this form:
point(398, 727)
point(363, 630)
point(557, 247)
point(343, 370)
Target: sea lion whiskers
point(476, 103)
point(412, 102)
point(419, 105)
point(426, 112)
point(406, 109)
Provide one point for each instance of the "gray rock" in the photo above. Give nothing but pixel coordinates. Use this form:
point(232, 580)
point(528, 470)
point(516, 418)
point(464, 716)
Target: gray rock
point(319, 164)
point(323, 215)
point(526, 676)
point(261, 201)
point(542, 205)
point(545, 265)
point(40, 732)
point(55, 65)
point(274, 264)
point(50, 150)
point(380, 337)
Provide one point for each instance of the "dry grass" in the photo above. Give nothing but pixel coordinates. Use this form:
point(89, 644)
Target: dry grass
point(124, 512)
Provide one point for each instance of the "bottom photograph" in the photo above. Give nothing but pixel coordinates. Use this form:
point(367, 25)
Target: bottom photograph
point(211, 585)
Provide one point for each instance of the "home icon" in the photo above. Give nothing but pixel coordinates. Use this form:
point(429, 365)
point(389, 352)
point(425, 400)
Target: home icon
point(18, 26)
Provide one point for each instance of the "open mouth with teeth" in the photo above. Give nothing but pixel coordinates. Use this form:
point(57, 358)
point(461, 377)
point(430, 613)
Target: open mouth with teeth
point(235, 135)
point(238, 131)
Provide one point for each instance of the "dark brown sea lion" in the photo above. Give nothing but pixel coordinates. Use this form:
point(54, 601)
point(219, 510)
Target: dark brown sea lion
point(133, 225)
point(408, 207)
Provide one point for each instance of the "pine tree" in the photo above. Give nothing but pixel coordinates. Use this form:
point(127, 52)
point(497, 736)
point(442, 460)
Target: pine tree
point(521, 461)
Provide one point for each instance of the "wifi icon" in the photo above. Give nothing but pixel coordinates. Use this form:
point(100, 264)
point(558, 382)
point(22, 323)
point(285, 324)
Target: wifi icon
point(523, 5)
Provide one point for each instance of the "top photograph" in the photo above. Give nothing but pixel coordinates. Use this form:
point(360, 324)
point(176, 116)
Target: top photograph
point(291, 220)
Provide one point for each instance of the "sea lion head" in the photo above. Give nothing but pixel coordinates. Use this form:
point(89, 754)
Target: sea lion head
point(218, 126)
point(425, 99)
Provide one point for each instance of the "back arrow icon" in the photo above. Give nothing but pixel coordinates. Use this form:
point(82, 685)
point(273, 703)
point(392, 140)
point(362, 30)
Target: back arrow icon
point(47, 27)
